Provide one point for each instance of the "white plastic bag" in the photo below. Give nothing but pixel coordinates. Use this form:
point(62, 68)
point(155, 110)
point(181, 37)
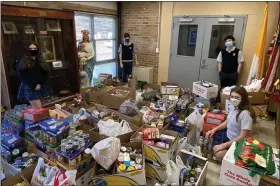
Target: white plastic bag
point(38, 179)
point(181, 144)
point(255, 85)
point(129, 108)
point(172, 172)
point(180, 163)
point(196, 118)
point(106, 151)
point(113, 128)
point(67, 178)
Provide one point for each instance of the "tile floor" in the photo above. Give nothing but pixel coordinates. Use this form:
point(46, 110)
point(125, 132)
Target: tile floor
point(264, 131)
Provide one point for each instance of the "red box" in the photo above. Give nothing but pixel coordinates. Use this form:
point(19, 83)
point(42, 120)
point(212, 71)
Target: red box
point(207, 127)
point(35, 114)
point(215, 119)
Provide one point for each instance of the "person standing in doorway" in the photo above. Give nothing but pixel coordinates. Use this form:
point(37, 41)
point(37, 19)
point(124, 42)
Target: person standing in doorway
point(126, 53)
point(230, 62)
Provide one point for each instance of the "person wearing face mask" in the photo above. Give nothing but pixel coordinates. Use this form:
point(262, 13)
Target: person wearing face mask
point(34, 73)
point(230, 62)
point(126, 53)
point(238, 125)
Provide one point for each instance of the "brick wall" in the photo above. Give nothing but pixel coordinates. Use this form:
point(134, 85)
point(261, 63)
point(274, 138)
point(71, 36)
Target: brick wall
point(140, 20)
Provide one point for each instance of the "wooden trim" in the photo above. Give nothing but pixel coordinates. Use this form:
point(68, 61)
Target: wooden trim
point(5, 81)
point(63, 6)
point(77, 60)
point(11, 10)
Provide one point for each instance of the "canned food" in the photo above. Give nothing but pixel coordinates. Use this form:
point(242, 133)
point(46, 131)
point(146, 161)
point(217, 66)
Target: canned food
point(121, 167)
point(79, 158)
point(59, 158)
point(132, 163)
point(63, 147)
point(76, 145)
point(52, 140)
point(123, 149)
point(69, 148)
point(15, 152)
point(138, 166)
point(72, 162)
point(130, 168)
point(121, 158)
point(81, 143)
point(86, 137)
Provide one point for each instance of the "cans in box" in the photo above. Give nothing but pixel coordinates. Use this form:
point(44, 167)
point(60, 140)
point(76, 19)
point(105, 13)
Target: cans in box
point(10, 141)
point(31, 126)
point(35, 114)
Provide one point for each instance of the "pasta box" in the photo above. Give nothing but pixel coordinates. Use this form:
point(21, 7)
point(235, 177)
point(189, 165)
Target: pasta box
point(35, 114)
point(54, 126)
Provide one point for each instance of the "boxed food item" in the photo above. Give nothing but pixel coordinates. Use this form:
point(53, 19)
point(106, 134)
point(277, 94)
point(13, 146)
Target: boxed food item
point(129, 169)
point(116, 96)
point(11, 141)
point(35, 114)
point(213, 118)
point(206, 91)
point(169, 88)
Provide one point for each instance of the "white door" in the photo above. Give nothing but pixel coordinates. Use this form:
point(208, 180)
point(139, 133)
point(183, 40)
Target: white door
point(195, 46)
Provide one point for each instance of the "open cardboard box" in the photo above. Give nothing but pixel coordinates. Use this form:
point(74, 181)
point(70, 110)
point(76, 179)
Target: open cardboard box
point(113, 101)
point(201, 161)
point(136, 177)
point(210, 92)
point(254, 98)
point(93, 94)
point(14, 180)
point(169, 88)
point(232, 174)
point(136, 120)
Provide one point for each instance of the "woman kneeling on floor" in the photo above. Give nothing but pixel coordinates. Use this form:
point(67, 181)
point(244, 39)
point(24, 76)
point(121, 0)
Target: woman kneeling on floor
point(239, 122)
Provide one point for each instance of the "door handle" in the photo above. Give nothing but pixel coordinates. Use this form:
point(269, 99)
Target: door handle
point(203, 63)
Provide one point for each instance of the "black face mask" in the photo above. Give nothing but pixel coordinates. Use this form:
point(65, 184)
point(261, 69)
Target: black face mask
point(33, 53)
point(127, 40)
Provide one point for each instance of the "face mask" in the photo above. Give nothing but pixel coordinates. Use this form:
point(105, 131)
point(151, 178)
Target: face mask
point(228, 44)
point(127, 40)
point(235, 102)
point(33, 53)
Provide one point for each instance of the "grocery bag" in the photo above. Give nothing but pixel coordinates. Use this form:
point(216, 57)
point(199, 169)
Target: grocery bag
point(196, 118)
point(129, 108)
point(172, 172)
point(62, 178)
point(43, 173)
point(106, 151)
point(113, 128)
point(254, 156)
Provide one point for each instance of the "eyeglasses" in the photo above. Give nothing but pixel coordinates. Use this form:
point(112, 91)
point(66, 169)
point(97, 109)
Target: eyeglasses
point(236, 97)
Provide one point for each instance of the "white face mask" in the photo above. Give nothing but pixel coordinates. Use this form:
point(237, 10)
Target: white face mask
point(235, 102)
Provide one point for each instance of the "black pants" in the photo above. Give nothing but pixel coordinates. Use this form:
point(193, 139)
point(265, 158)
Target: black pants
point(228, 79)
point(127, 70)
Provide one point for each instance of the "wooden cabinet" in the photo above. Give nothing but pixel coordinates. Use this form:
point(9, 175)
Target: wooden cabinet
point(54, 32)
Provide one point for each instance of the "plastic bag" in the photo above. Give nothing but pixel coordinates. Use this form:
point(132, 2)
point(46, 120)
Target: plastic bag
point(40, 177)
point(255, 85)
point(196, 118)
point(172, 172)
point(113, 128)
point(106, 151)
point(64, 178)
point(254, 156)
point(181, 144)
point(129, 108)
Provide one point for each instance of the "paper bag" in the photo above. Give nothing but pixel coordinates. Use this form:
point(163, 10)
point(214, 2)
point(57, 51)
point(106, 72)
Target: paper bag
point(106, 151)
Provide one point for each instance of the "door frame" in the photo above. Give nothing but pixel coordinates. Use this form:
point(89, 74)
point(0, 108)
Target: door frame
point(206, 16)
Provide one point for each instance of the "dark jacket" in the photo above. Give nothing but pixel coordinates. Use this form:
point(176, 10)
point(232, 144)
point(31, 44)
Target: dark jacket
point(34, 75)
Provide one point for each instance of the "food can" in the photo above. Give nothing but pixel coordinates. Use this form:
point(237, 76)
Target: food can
point(138, 166)
point(59, 158)
point(128, 149)
point(76, 145)
point(69, 148)
point(63, 147)
point(81, 143)
point(121, 167)
point(127, 163)
point(123, 149)
point(72, 162)
point(130, 168)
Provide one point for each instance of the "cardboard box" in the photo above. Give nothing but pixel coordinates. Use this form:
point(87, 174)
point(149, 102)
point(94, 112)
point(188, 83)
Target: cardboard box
point(136, 177)
point(169, 88)
point(83, 178)
point(155, 172)
point(201, 160)
point(205, 92)
point(235, 175)
point(35, 114)
point(113, 101)
point(254, 97)
point(160, 156)
point(136, 120)
point(92, 94)
point(14, 180)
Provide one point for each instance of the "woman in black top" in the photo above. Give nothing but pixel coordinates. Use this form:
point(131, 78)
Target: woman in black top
point(34, 73)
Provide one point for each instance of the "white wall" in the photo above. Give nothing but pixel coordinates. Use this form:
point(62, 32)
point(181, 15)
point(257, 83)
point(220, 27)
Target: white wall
point(104, 4)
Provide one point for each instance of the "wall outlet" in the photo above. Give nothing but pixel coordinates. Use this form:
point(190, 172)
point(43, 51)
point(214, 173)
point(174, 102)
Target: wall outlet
point(157, 50)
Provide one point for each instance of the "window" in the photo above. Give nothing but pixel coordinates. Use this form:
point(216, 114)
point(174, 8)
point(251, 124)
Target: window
point(187, 40)
point(103, 34)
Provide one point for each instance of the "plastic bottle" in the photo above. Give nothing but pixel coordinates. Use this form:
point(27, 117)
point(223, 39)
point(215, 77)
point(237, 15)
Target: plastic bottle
point(192, 180)
point(188, 171)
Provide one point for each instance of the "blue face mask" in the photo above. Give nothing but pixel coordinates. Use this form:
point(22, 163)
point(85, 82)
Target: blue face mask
point(228, 44)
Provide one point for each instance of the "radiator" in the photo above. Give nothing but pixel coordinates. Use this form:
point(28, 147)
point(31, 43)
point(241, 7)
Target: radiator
point(143, 73)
